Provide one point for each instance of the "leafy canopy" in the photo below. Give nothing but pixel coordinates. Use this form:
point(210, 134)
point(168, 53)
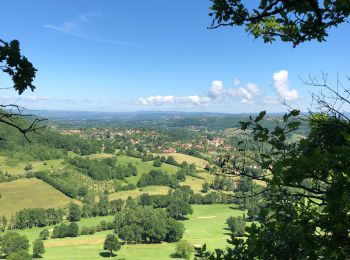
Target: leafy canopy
point(292, 21)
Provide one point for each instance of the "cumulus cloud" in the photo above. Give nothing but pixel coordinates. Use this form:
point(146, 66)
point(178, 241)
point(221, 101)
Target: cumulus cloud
point(216, 89)
point(281, 86)
point(216, 93)
point(246, 94)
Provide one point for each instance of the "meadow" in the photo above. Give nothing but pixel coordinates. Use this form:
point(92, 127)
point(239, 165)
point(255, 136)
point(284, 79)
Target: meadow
point(180, 157)
point(152, 190)
point(144, 167)
point(33, 193)
point(18, 168)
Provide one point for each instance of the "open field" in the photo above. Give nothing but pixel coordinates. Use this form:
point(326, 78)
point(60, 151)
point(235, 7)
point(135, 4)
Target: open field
point(194, 183)
point(33, 233)
point(206, 225)
point(180, 157)
point(18, 169)
point(144, 167)
point(99, 156)
point(152, 190)
point(29, 193)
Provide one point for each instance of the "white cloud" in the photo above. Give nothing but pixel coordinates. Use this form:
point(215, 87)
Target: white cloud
point(217, 93)
point(246, 94)
point(250, 94)
point(75, 28)
point(216, 89)
point(281, 86)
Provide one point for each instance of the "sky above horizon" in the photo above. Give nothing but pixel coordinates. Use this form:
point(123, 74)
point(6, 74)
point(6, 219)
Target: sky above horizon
point(158, 55)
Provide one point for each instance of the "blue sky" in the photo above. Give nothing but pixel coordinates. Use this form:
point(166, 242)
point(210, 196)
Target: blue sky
point(115, 55)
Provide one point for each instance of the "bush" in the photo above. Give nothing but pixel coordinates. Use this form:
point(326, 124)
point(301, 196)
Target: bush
point(44, 234)
point(62, 231)
point(184, 249)
point(157, 177)
point(38, 248)
point(74, 213)
point(28, 167)
point(236, 225)
point(146, 224)
point(157, 163)
point(87, 230)
point(180, 176)
point(20, 255)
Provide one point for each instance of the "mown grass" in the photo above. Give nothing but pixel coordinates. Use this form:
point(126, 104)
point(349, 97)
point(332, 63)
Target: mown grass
point(33, 233)
point(205, 225)
point(29, 193)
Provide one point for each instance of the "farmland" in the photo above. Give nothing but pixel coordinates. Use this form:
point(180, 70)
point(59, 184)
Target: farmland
point(104, 178)
point(29, 193)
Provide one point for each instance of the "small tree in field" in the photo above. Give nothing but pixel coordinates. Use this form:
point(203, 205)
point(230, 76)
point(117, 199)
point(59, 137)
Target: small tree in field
point(38, 248)
point(44, 234)
point(236, 226)
point(157, 163)
point(28, 167)
point(179, 208)
point(74, 212)
point(111, 244)
point(184, 249)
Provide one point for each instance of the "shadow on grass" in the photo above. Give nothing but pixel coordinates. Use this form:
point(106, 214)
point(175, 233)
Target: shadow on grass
point(106, 254)
point(174, 255)
point(235, 207)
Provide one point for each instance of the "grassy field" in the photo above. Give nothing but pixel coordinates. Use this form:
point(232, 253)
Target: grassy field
point(99, 156)
point(152, 190)
point(194, 183)
point(33, 233)
point(18, 169)
point(180, 157)
point(205, 225)
point(144, 167)
point(25, 193)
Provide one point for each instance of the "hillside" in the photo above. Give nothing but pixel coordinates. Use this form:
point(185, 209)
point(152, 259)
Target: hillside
point(29, 193)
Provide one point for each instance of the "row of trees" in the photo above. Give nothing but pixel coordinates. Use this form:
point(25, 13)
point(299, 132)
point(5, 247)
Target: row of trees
point(158, 177)
point(35, 217)
point(146, 224)
point(64, 182)
point(104, 169)
point(16, 247)
point(63, 230)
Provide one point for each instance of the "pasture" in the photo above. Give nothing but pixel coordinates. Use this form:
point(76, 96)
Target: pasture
point(152, 190)
point(18, 168)
point(29, 193)
point(180, 157)
point(144, 167)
